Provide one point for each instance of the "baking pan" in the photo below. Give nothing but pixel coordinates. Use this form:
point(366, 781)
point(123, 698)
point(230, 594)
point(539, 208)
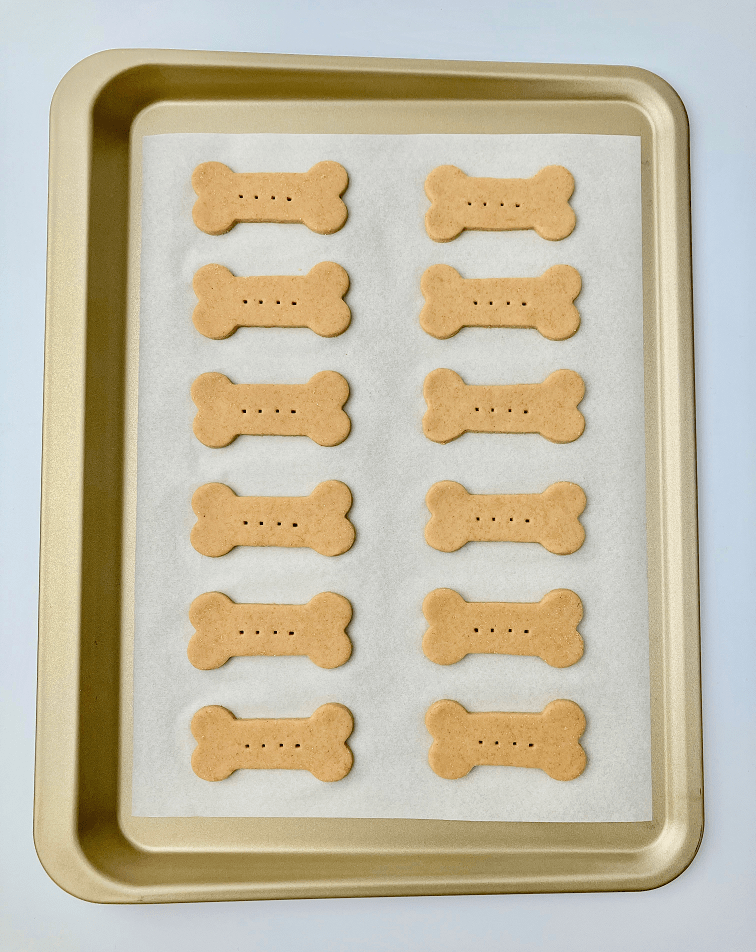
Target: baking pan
point(86, 837)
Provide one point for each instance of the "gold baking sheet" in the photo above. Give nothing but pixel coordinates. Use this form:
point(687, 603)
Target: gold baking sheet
point(85, 835)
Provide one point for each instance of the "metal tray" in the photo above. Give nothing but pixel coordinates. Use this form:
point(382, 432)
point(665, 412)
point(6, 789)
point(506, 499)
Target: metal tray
point(85, 836)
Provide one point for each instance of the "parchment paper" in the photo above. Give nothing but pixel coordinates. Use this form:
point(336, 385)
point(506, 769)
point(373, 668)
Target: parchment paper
point(389, 465)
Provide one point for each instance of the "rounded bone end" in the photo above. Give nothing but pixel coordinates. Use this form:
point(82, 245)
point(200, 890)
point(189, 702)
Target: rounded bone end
point(561, 392)
point(438, 648)
point(565, 651)
point(330, 175)
point(447, 529)
point(556, 224)
point(326, 219)
point(445, 721)
point(206, 612)
point(206, 653)
point(332, 275)
point(330, 610)
point(441, 224)
point(441, 420)
point(210, 175)
point(554, 181)
point(331, 652)
point(564, 723)
point(211, 324)
point(205, 537)
point(564, 279)
point(332, 533)
point(562, 505)
point(330, 727)
point(442, 179)
point(437, 316)
point(207, 759)
point(328, 616)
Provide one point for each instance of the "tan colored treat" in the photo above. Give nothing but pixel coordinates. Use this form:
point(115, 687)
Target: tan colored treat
point(316, 743)
point(550, 517)
point(493, 204)
point(545, 303)
point(225, 629)
point(549, 740)
point(317, 521)
point(545, 629)
point(227, 410)
point(548, 408)
point(308, 198)
point(313, 300)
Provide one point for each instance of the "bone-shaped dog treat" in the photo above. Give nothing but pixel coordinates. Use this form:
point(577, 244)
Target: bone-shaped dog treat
point(316, 743)
point(309, 198)
point(545, 629)
point(493, 204)
point(548, 408)
point(313, 300)
point(227, 410)
point(544, 303)
point(317, 521)
point(548, 740)
point(550, 517)
point(225, 629)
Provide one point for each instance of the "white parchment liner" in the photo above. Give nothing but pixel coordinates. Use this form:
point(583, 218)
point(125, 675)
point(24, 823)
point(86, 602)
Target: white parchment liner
point(389, 465)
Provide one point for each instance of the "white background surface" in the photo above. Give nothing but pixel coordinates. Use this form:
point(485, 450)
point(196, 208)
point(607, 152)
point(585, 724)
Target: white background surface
point(707, 51)
point(389, 465)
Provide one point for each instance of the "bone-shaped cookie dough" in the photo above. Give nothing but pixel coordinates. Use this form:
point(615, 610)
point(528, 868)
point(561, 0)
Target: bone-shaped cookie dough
point(313, 300)
point(309, 198)
point(545, 629)
point(548, 740)
point(544, 303)
point(316, 743)
point(550, 517)
point(495, 204)
point(317, 521)
point(225, 629)
point(227, 410)
point(548, 408)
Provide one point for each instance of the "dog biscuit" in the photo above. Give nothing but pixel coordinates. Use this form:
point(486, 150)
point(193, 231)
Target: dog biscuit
point(550, 517)
point(548, 740)
point(548, 408)
point(317, 743)
point(227, 410)
point(545, 629)
point(315, 300)
point(544, 303)
point(317, 521)
point(225, 629)
point(461, 202)
point(309, 198)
